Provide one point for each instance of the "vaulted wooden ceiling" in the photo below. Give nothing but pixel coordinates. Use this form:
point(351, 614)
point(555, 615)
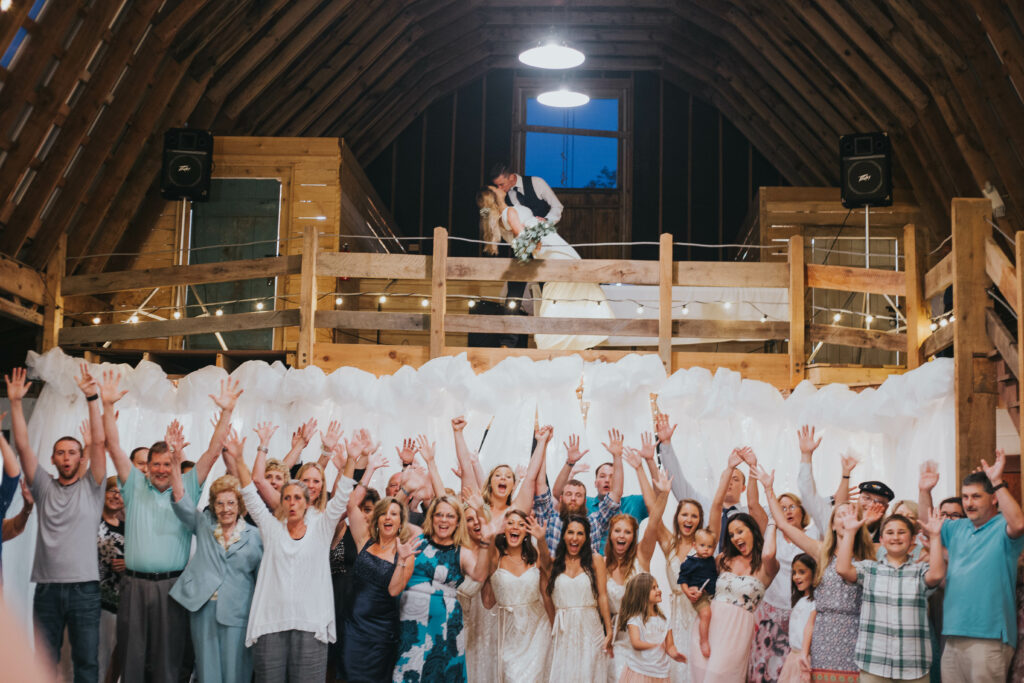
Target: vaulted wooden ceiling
point(96, 82)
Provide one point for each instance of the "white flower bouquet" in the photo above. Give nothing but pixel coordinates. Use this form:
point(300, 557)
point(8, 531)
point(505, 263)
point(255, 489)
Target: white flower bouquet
point(525, 243)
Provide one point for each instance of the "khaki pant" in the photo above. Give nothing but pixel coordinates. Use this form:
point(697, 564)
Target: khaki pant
point(865, 677)
point(975, 660)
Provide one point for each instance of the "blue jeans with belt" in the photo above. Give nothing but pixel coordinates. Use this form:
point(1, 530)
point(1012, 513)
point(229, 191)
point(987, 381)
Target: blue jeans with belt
point(77, 607)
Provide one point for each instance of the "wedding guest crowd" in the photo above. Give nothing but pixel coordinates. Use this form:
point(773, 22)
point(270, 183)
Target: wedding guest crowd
point(278, 574)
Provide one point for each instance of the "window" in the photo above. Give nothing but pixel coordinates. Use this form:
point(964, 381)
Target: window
point(577, 147)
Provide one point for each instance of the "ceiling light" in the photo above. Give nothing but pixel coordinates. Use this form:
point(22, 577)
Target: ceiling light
point(728, 305)
point(5, 5)
point(134, 319)
point(869, 319)
point(552, 56)
point(563, 98)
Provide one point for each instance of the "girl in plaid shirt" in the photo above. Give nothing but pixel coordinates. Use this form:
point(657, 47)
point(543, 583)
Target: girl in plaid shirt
point(894, 642)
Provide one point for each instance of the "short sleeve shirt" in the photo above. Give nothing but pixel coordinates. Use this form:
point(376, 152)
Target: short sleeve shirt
point(980, 580)
point(632, 505)
point(155, 540)
point(66, 534)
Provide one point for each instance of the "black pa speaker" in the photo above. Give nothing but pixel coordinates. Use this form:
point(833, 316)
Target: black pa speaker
point(865, 169)
point(188, 156)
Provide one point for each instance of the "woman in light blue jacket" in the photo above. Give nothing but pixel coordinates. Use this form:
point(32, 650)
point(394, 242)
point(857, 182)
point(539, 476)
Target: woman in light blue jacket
point(217, 585)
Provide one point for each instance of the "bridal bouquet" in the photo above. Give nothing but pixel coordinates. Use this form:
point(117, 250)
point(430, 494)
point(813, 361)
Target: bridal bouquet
point(525, 244)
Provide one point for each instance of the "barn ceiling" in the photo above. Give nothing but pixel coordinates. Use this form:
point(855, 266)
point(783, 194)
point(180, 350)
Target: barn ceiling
point(94, 83)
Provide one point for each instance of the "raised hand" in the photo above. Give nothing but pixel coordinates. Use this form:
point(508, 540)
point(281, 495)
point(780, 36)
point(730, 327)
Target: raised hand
point(578, 469)
point(933, 526)
point(339, 456)
point(766, 478)
point(457, 471)
point(994, 472)
point(846, 518)
point(425, 448)
point(647, 446)
point(376, 460)
point(330, 438)
point(806, 438)
point(175, 439)
point(536, 528)
point(735, 458)
point(663, 429)
point(264, 430)
point(615, 443)
point(873, 513)
point(229, 393)
point(410, 548)
point(233, 447)
point(632, 457)
point(85, 380)
point(83, 429)
point(748, 456)
point(17, 384)
point(306, 431)
point(407, 453)
point(850, 460)
point(661, 482)
point(521, 471)
point(929, 476)
point(573, 454)
point(458, 423)
point(26, 493)
point(543, 434)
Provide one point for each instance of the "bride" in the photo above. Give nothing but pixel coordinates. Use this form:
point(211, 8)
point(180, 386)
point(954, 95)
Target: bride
point(558, 299)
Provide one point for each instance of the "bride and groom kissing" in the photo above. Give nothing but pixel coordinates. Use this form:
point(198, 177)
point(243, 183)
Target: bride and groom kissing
point(512, 203)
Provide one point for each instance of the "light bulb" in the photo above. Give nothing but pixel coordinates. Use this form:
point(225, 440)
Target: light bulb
point(177, 315)
point(943, 322)
point(952, 318)
point(639, 310)
point(934, 326)
point(837, 316)
point(512, 305)
point(96, 320)
point(134, 319)
point(259, 305)
point(424, 302)
point(219, 311)
point(728, 305)
point(338, 301)
point(686, 310)
point(764, 318)
point(5, 5)
point(382, 300)
point(472, 303)
point(869, 319)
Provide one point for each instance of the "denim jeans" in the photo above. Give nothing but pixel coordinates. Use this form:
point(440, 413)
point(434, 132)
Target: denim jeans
point(77, 607)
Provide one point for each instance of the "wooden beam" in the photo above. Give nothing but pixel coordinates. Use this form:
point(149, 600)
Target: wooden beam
point(849, 279)
point(731, 274)
point(975, 384)
point(53, 310)
point(525, 324)
point(307, 297)
point(797, 320)
point(938, 278)
point(915, 306)
point(438, 292)
point(169, 276)
point(373, 320)
point(22, 281)
point(939, 340)
point(1004, 342)
point(852, 336)
point(231, 322)
point(851, 376)
point(665, 300)
point(398, 266)
point(10, 309)
point(1002, 273)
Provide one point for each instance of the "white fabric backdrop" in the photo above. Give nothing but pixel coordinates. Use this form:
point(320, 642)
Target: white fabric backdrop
point(907, 420)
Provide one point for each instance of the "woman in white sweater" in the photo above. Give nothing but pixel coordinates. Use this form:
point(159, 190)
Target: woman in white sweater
point(289, 629)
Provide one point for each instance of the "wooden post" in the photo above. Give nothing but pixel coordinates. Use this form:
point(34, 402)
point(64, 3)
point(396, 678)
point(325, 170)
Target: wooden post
point(916, 308)
point(307, 297)
point(53, 311)
point(438, 292)
point(1020, 330)
point(975, 383)
point(797, 324)
point(665, 301)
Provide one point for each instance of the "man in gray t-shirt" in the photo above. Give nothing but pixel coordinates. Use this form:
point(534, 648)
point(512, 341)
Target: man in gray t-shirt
point(66, 566)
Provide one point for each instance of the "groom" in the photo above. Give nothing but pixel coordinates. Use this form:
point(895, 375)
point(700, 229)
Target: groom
point(533, 192)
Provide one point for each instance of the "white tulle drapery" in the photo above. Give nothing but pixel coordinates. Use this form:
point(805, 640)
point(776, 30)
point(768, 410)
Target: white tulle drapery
point(894, 428)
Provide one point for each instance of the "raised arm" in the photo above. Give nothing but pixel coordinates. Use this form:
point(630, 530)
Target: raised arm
point(849, 526)
point(849, 461)
point(817, 506)
point(681, 486)
point(538, 531)
point(1007, 503)
point(407, 553)
point(715, 512)
point(470, 479)
point(769, 563)
point(477, 563)
point(14, 526)
point(573, 455)
point(615, 446)
point(936, 557)
point(11, 468)
point(662, 485)
point(647, 453)
point(225, 400)
point(929, 479)
point(426, 450)
point(95, 451)
point(794, 533)
point(264, 432)
point(632, 457)
point(328, 440)
point(300, 439)
point(17, 387)
point(110, 394)
point(175, 439)
point(535, 480)
point(601, 577)
point(357, 521)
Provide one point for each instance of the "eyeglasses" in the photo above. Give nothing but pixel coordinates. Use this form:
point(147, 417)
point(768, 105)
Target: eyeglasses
point(952, 515)
point(790, 508)
point(228, 504)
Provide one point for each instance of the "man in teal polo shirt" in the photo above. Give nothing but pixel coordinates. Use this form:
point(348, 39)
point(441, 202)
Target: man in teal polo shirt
point(153, 629)
point(979, 620)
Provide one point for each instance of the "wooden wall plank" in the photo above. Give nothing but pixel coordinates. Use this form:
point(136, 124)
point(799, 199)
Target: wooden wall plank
point(938, 278)
point(797, 315)
point(917, 312)
point(849, 279)
point(1002, 273)
point(231, 322)
point(22, 281)
point(853, 336)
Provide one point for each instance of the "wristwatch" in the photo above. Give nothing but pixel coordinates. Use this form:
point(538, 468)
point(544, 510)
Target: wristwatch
point(1000, 485)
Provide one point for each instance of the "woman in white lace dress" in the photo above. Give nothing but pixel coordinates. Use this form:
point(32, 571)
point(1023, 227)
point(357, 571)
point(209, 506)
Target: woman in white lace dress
point(479, 624)
point(582, 633)
point(558, 299)
point(621, 563)
point(515, 595)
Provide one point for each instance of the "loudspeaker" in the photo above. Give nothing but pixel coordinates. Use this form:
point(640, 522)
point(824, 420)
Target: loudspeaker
point(188, 156)
point(865, 169)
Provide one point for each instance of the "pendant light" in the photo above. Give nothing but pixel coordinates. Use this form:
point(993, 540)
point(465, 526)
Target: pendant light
point(563, 98)
point(552, 56)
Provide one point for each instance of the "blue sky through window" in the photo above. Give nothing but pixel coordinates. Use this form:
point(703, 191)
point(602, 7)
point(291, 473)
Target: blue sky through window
point(573, 161)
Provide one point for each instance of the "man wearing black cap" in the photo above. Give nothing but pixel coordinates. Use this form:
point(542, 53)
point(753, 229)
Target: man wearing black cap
point(875, 492)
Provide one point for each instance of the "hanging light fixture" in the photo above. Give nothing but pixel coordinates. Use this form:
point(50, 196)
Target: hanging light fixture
point(563, 98)
point(552, 55)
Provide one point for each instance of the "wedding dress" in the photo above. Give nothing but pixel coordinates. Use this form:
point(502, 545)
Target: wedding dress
point(578, 635)
point(524, 631)
point(481, 629)
point(682, 619)
point(561, 299)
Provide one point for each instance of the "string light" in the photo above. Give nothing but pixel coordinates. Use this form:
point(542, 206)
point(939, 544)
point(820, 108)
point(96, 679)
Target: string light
point(96, 320)
point(259, 305)
point(472, 303)
point(764, 317)
point(640, 309)
point(134, 319)
point(424, 303)
point(952, 318)
point(728, 305)
point(934, 326)
point(512, 305)
point(177, 315)
point(382, 300)
point(686, 310)
point(943, 322)
point(219, 312)
point(837, 316)
point(338, 301)
point(869, 319)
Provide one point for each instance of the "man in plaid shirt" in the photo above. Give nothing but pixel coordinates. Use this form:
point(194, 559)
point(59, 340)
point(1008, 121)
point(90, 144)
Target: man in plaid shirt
point(894, 640)
point(574, 498)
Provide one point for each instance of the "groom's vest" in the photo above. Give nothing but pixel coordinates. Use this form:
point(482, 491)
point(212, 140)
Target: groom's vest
point(529, 198)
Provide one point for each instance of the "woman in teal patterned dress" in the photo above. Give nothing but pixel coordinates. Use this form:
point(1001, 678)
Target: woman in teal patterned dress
point(431, 644)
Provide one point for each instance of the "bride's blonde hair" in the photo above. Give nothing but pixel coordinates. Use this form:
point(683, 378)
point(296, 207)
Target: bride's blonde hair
point(490, 214)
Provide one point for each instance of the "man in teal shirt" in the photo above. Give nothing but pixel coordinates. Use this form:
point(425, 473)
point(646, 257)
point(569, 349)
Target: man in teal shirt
point(979, 620)
point(153, 629)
